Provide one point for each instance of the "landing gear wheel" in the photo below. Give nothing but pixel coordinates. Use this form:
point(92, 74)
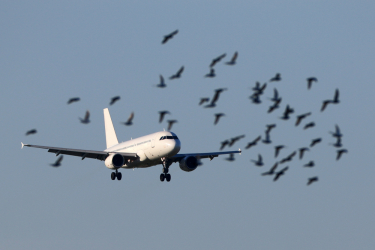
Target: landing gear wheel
point(119, 176)
point(113, 175)
point(168, 177)
point(165, 170)
point(162, 176)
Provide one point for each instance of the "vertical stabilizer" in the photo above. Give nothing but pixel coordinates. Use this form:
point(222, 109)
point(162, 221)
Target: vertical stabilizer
point(110, 134)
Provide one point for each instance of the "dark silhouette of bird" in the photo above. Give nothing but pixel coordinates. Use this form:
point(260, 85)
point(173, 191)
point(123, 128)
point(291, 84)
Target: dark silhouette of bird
point(288, 110)
point(114, 99)
point(169, 36)
point(178, 74)
point(74, 99)
point(259, 89)
point(288, 158)
point(302, 151)
point(277, 150)
point(338, 143)
point(255, 98)
point(310, 164)
point(233, 60)
point(300, 117)
point(310, 80)
point(211, 74)
point(270, 127)
point(217, 117)
point(336, 97)
point(315, 141)
point(280, 173)
point(274, 106)
point(161, 83)
point(275, 97)
point(203, 100)
point(86, 119)
point(235, 139)
point(130, 120)
point(57, 162)
point(215, 98)
point(312, 179)
point(337, 132)
point(334, 101)
point(31, 132)
point(170, 124)
point(309, 125)
point(224, 143)
point(217, 59)
point(258, 162)
point(162, 114)
point(230, 158)
point(276, 78)
point(325, 103)
point(267, 140)
point(271, 171)
point(253, 143)
point(340, 152)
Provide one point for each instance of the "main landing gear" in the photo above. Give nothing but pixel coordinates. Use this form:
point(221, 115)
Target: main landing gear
point(116, 174)
point(165, 175)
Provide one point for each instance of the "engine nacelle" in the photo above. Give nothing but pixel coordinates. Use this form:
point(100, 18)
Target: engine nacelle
point(189, 163)
point(114, 161)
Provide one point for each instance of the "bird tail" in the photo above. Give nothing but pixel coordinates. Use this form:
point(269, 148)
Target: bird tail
point(110, 134)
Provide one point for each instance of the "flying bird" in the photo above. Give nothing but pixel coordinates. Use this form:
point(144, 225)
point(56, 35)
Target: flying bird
point(274, 106)
point(86, 119)
point(217, 59)
point(302, 151)
point(337, 132)
point(334, 101)
point(57, 162)
point(310, 80)
point(315, 141)
point(325, 103)
point(288, 110)
point(270, 127)
point(276, 78)
point(234, 139)
point(253, 143)
point(161, 83)
point(267, 140)
point(31, 132)
point(280, 173)
point(259, 89)
point(130, 120)
point(215, 98)
point(169, 36)
point(211, 74)
point(114, 99)
point(74, 99)
point(312, 179)
point(233, 60)
point(309, 125)
point(275, 97)
point(300, 117)
point(162, 114)
point(217, 117)
point(310, 164)
point(340, 152)
point(203, 100)
point(230, 158)
point(178, 74)
point(255, 98)
point(288, 158)
point(258, 162)
point(170, 124)
point(338, 143)
point(277, 149)
point(224, 143)
point(272, 170)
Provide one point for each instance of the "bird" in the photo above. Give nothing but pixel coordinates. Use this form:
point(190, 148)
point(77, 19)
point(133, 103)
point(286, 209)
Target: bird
point(312, 179)
point(203, 100)
point(162, 114)
point(280, 173)
point(217, 59)
point(336, 97)
point(277, 149)
point(74, 99)
point(211, 74)
point(114, 99)
point(340, 152)
point(161, 83)
point(337, 132)
point(31, 132)
point(325, 103)
point(215, 98)
point(255, 98)
point(169, 36)
point(275, 97)
point(334, 101)
point(130, 120)
point(230, 158)
point(288, 110)
point(258, 162)
point(259, 89)
point(272, 170)
point(338, 143)
point(302, 151)
point(217, 117)
point(234, 139)
point(310, 164)
point(86, 119)
point(315, 141)
point(178, 74)
point(170, 124)
point(309, 125)
point(288, 158)
point(267, 140)
point(224, 143)
point(57, 162)
point(233, 60)
point(310, 80)
point(253, 143)
point(276, 78)
point(270, 127)
point(274, 106)
point(300, 117)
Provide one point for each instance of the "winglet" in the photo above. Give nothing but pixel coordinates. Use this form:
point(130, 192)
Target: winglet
point(22, 145)
point(240, 151)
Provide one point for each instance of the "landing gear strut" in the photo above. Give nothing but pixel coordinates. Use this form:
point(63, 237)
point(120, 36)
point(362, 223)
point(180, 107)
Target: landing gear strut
point(165, 175)
point(116, 174)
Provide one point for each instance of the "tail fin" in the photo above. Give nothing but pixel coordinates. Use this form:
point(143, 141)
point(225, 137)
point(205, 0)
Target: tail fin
point(110, 134)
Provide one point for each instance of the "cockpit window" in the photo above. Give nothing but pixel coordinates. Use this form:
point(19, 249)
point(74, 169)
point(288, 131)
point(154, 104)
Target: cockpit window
point(168, 137)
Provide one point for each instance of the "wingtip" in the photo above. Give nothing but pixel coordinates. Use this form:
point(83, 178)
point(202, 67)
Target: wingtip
point(22, 145)
point(240, 151)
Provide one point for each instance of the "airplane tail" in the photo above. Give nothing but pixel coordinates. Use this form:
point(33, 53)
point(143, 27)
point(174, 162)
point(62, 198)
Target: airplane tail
point(110, 134)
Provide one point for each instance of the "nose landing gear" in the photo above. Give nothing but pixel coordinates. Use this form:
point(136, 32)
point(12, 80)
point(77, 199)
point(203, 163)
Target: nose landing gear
point(165, 175)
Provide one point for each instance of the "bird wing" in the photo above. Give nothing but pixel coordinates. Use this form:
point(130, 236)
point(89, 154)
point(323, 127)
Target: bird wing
point(180, 70)
point(130, 117)
point(87, 116)
point(336, 98)
point(234, 57)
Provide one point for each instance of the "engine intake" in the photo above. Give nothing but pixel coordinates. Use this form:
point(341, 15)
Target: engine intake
point(114, 161)
point(189, 163)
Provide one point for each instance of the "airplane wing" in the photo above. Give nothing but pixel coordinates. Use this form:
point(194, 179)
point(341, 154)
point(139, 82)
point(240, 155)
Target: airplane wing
point(100, 155)
point(210, 155)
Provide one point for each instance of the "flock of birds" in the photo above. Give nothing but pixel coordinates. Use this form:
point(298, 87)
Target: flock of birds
point(258, 91)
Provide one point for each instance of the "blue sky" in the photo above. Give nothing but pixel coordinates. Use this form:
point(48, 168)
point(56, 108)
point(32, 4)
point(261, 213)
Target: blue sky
point(50, 52)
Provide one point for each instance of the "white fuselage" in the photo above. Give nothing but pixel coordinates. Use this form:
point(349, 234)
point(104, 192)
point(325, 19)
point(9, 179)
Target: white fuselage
point(150, 149)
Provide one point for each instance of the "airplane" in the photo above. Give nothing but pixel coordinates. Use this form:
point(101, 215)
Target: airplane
point(143, 152)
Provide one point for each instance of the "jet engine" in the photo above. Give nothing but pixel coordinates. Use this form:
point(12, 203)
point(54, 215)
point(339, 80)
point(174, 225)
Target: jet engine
point(114, 161)
point(189, 163)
